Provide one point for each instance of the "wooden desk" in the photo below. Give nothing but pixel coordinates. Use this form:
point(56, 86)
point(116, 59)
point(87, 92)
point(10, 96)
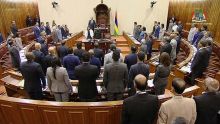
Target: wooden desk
point(104, 44)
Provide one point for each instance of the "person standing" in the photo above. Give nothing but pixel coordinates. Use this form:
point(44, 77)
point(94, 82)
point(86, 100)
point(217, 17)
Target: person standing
point(34, 79)
point(37, 20)
point(115, 77)
point(70, 62)
point(192, 32)
point(18, 42)
point(36, 30)
point(87, 75)
point(58, 81)
point(39, 56)
point(108, 57)
point(62, 50)
point(200, 61)
point(135, 29)
point(208, 104)
point(1, 38)
point(29, 21)
point(141, 108)
point(178, 106)
point(173, 43)
point(162, 31)
point(47, 28)
point(48, 58)
point(98, 53)
point(93, 60)
point(131, 59)
point(79, 51)
point(15, 56)
point(14, 29)
point(139, 68)
point(166, 46)
point(92, 24)
point(161, 75)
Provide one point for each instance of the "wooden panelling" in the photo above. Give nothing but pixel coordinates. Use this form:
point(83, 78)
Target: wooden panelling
point(16, 10)
point(183, 9)
point(30, 114)
point(77, 115)
point(52, 115)
point(10, 113)
point(101, 115)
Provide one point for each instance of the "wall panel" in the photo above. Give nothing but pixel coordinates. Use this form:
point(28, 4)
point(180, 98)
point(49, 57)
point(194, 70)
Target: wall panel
point(16, 10)
point(183, 9)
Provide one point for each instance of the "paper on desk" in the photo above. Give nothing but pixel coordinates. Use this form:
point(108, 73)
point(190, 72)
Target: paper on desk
point(99, 89)
point(150, 83)
point(186, 69)
point(75, 90)
point(21, 83)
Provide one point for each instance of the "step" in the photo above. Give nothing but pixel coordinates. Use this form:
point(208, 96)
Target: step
point(119, 38)
point(124, 49)
point(122, 45)
point(122, 42)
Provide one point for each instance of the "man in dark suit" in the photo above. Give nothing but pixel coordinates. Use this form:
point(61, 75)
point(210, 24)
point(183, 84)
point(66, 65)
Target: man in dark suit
point(70, 62)
point(208, 104)
point(28, 21)
point(92, 24)
point(98, 53)
point(48, 58)
point(47, 28)
point(93, 60)
point(141, 108)
point(115, 77)
point(87, 75)
point(1, 38)
point(79, 51)
point(200, 61)
point(62, 50)
point(14, 53)
point(139, 68)
point(33, 76)
point(131, 59)
point(39, 56)
point(166, 47)
point(36, 30)
point(14, 29)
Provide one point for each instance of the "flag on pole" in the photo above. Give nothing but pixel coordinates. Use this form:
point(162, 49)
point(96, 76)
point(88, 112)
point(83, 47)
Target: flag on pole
point(116, 31)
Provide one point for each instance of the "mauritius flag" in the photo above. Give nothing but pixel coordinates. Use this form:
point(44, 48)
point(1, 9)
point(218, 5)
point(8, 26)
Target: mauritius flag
point(116, 31)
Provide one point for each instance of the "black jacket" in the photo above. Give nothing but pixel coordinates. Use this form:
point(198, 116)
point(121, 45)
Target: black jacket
point(140, 109)
point(207, 106)
point(33, 75)
point(166, 48)
point(200, 61)
point(87, 75)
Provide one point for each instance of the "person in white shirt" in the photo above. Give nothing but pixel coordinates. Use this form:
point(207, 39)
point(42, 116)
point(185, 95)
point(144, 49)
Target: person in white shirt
point(162, 31)
point(89, 34)
point(173, 43)
point(192, 32)
point(108, 57)
point(175, 27)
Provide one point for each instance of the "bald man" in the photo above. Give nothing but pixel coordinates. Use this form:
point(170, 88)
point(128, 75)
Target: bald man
point(49, 58)
point(208, 104)
point(142, 107)
point(39, 56)
point(178, 106)
point(93, 60)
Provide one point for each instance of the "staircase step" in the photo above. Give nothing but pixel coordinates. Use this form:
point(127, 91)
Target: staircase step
point(121, 42)
point(122, 45)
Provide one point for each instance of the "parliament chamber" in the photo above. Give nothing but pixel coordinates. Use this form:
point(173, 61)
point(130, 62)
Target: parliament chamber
point(16, 107)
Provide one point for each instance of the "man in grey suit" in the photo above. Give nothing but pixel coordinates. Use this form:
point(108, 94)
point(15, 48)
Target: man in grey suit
point(108, 57)
point(115, 77)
